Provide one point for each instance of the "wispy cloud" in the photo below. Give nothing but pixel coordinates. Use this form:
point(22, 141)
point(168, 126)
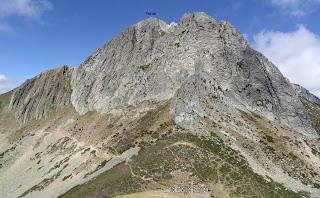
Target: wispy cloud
point(5, 84)
point(28, 9)
point(297, 7)
point(296, 54)
point(4, 27)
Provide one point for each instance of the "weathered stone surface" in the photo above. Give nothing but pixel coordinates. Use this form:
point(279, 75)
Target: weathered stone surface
point(156, 81)
point(304, 93)
point(116, 74)
point(40, 96)
point(152, 60)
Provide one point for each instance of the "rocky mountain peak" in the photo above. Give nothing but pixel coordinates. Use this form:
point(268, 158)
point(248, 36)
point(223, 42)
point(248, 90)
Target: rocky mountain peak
point(197, 19)
point(171, 101)
point(151, 23)
point(148, 63)
point(152, 61)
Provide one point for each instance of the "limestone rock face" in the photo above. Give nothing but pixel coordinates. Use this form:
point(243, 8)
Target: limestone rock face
point(195, 89)
point(127, 70)
point(152, 60)
point(40, 96)
point(304, 93)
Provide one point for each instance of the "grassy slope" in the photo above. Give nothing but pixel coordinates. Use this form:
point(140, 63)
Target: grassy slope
point(4, 100)
point(210, 160)
point(7, 119)
point(282, 147)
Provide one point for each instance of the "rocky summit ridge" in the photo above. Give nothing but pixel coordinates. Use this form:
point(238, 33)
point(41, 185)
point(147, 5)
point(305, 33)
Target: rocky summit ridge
point(40, 96)
point(202, 71)
point(151, 61)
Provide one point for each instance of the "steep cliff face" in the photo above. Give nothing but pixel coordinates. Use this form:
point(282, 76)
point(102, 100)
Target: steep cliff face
point(183, 103)
point(40, 96)
point(151, 60)
point(116, 74)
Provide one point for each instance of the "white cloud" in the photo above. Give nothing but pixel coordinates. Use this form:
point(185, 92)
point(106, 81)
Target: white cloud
point(5, 28)
point(28, 9)
point(5, 84)
point(297, 7)
point(296, 54)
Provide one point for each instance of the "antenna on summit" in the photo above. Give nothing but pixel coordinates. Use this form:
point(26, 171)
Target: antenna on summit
point(151, 13)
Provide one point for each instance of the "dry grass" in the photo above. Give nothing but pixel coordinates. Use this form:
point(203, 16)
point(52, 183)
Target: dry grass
point(55, 119)
point(7, 119)
point(281, 146)
point(164, 194)
point(208, 161)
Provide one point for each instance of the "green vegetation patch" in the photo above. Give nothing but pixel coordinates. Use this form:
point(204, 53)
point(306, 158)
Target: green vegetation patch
point(144, 67)
point(66, 177)
point(7, 117)
point(206, 158)
point(114, 182)
point(293, 156)
point(269, 138)
point(44, 183)
point(162, 33)
point(101, 165)
point(5, 100)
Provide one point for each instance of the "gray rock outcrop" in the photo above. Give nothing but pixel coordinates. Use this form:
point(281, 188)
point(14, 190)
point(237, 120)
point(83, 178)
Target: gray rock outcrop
point(161, 87)
point(42, 95)
point(304, 93)
point(152, 60)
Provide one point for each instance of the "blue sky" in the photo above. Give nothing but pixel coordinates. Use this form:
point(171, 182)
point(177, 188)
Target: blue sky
point(37, 35)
